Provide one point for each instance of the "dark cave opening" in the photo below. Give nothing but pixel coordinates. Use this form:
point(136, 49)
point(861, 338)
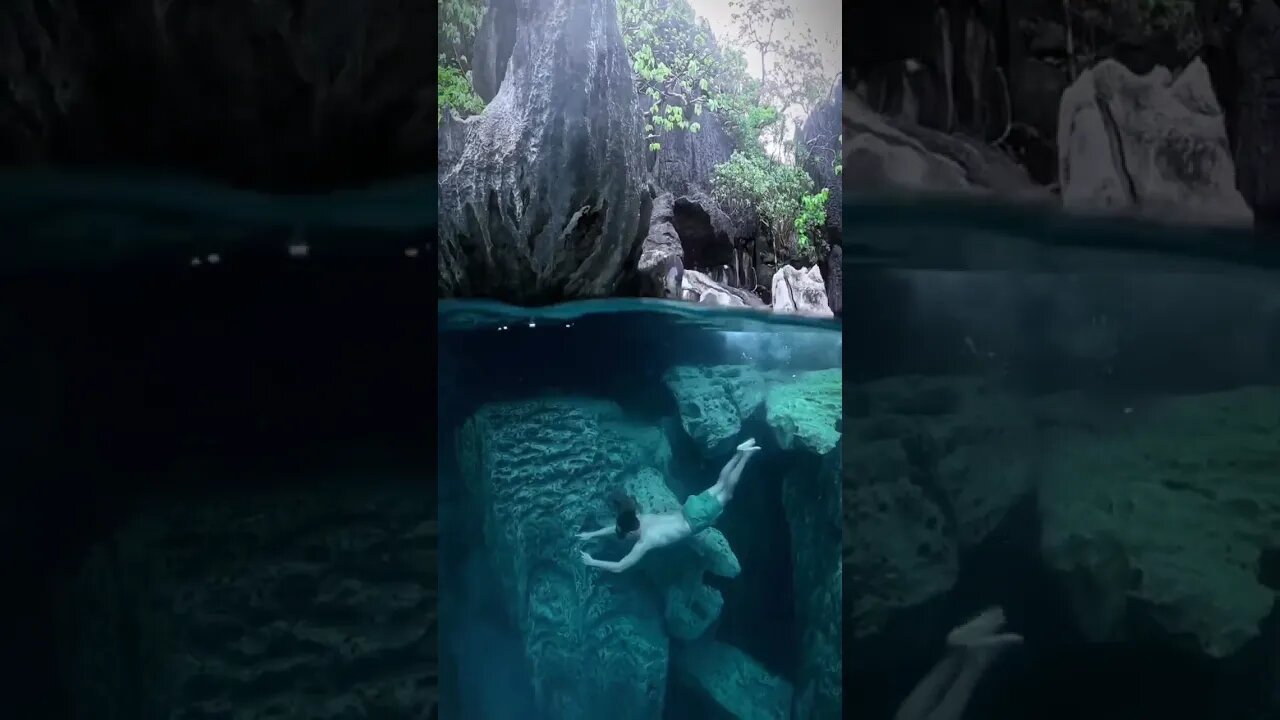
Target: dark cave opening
point(193, 384)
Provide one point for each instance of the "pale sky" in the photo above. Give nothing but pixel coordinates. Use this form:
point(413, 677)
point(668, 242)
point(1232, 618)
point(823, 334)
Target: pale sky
point(822, 16)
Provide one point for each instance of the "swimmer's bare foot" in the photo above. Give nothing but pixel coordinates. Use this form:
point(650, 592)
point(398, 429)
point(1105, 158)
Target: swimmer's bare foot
point(748, 445)
point(980, 630)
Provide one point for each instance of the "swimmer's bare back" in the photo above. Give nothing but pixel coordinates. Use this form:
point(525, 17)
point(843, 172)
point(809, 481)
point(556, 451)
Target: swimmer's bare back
point(651, 531)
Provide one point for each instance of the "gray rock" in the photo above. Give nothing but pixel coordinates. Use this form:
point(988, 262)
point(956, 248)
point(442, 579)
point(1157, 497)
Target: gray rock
point(495, 39)
point(537, 472)
point(697, 287)
point(811, 498)
point(1147, 143)
point(733, 680)
point(713, 402)
point(800, 292)
point(1257, 150)
point(820, 135)
point(661, 264)
point(522, 219)
point(883, 156)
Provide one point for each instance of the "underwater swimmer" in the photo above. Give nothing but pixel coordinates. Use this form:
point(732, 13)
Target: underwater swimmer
point(651, 531)
point(945, 691)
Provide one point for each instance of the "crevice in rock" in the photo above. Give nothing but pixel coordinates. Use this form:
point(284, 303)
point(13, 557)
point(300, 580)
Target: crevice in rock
point(1117, 147)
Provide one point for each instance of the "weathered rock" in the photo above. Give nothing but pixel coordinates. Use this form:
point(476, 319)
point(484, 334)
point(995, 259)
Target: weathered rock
point(546, 202)
point(811, 499)
point(661, 264)
point(804, 410)
point(536, 470)
point(801, 292)
point(697, 287)
point(686, 162)
point(317, 603)
point(881, 156)
point(896, 549)
point(733, 681)
point(704, 232)
point(1173, 506)
point(820, 135)
point(273, 95)
point(713, 402)
point(1151, 144)
point(495, 39)
point(1257, 142)
point(834, 276)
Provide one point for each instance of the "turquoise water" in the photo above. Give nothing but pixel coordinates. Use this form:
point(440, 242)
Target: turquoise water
point(544, 413)
point(1077, 420)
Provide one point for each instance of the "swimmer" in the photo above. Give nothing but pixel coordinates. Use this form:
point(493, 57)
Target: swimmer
point(652, 531)
point(945, 691)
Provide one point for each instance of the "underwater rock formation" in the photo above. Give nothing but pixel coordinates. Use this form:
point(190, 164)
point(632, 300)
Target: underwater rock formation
point(1153, 143)
point(733, 681)
point(1174, 507)
point(690, 605)
point(187, 586)
point(537, 472)
point(804, 410)
point(800, 292)
point(937, 465)
point(714, 401)
point(546, 200)
point(811, 500)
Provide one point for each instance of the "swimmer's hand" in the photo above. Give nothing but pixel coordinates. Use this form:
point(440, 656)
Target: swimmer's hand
point(587, 559)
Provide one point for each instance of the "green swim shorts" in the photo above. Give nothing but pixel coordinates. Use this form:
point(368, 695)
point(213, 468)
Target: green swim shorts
point(702, 511)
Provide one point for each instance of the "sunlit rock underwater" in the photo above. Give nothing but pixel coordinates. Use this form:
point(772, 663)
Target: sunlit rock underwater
point(741, 619)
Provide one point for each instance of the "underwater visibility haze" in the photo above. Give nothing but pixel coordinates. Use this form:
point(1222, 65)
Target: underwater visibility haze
point(546, 415)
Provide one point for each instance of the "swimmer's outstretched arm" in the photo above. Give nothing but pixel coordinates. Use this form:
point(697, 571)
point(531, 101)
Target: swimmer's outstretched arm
point(595, 533)
point(637, 551)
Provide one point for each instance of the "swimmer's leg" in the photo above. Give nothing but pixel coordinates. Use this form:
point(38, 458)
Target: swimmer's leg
point(974, 666)
point(924, 698)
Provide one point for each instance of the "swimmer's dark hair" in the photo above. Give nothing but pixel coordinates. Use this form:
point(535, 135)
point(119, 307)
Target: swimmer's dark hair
point(625, 506)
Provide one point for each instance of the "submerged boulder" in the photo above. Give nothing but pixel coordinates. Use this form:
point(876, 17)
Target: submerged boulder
point(811, 499)
point(804, 410)
point(1150, 143)
point(714, 401)
point(546, 199)
point(735, 682)
point(1174, 506)
point(537, 472)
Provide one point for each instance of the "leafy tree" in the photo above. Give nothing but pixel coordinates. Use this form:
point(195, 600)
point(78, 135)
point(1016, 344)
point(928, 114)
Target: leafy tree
point(458, 22)
point(783, 197)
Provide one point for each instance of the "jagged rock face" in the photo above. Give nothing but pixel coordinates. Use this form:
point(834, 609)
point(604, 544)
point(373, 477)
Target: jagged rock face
point(686, 162)
point(1151, 143)
point(704, 233)
point(714, 401)
point(885, 157)
point(821, 137)
point(698, 287)
point(536, 472)
point(546, 201)
point(1257, 148)
point(319, 603)
point(1174, 505)
point(495, 39)
point(811, 499)
point(275, 95)
point(835, 279)
point(661, 264)
point(800, 292)
point(733, 680)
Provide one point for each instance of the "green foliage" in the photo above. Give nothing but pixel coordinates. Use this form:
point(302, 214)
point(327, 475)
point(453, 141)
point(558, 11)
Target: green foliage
point(458, 22)
point(674, 64)
point(781, 194)
point(454, 91)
